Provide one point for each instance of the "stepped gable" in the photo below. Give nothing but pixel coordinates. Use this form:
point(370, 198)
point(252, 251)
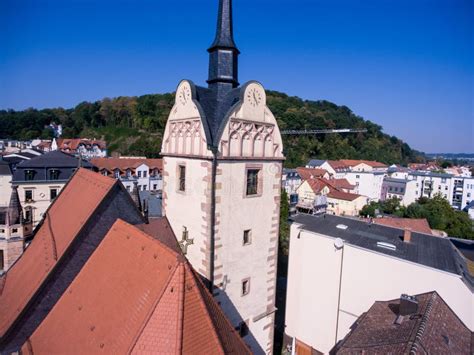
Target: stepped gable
point(53, 237)
point(135, 295)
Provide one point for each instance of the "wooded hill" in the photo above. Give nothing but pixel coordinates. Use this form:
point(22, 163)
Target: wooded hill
point(135, 126)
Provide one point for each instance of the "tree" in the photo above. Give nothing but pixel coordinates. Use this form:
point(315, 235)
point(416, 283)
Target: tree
point(284, 225)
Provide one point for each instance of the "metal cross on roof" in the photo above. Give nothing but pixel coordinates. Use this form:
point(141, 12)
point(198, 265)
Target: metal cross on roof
point(185, 241)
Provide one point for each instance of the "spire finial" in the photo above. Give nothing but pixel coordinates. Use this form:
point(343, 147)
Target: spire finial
point(223, 68)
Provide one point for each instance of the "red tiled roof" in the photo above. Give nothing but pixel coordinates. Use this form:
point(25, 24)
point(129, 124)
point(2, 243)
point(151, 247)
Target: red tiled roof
point(351, 162)
point(416, 225)
point(434, 329)
point(309, 173)
point(340, 184)
point(111, 164)
point(73, 144)
point(59, 228)
point(341, 195)
point(135, 295)
point(317, 185)
point(337, 165)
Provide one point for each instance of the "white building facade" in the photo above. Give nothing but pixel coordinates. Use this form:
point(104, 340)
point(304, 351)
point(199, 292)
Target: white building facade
point(339, 267)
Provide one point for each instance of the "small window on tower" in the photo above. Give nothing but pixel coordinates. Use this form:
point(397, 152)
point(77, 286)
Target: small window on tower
point(247, 237)
point(2, 264)
point(182, 178)
point(252, 182)
point(245, 287)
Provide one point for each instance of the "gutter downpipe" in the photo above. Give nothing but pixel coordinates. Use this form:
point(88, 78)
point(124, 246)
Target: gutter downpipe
point(339, 295)
point(213, 220)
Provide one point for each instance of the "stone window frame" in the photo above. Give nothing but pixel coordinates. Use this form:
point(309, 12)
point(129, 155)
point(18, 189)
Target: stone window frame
point(32, 194)
point(243, 291)
point(258, 167)
point(178, 177)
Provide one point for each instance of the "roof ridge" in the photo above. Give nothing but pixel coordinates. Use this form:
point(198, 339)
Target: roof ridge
point(179, 340)
point(423, 324)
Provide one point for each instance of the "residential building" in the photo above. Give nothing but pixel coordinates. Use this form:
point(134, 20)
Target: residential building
point(14, 229)
point(407, 191)
point(364, 165)
point(42, 178)
point(408, 325)
point(470, 209)
point(147, 173)
point(338, 267)
point(319, 195)
point(83, 147)
point(222, 166)
point(290, 180)
point(367, 183)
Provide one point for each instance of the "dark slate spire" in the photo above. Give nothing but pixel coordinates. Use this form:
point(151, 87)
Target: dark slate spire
point(223, 53)
point(14, 212)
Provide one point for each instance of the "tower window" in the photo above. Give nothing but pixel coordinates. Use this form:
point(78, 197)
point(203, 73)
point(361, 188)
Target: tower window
point(245, 287)
point(252, 182)
point(247, 237)
point(182, 178)
point(2, 264)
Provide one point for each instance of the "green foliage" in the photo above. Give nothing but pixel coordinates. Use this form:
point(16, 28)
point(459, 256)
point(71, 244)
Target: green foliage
point(437, 211)
point(140, 123)
point(284, 225)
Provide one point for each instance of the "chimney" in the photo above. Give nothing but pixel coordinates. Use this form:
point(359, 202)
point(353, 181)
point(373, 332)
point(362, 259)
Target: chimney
point(407, 235)
point(408, 305)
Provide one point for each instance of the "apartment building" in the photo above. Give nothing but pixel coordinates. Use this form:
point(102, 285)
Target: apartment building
point(146, 173)
point(41, 179)
point(338, 267)
point(367, 183)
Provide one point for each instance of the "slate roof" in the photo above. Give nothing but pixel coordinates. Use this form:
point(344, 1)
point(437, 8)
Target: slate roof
point(434, 329)
point(215, 109)
point(153, 202)
point(316, 162)
point(135, 295)
point(438, 253)
point(58, 230)
point(5, 167)
point(55, 159)
point(13, 213)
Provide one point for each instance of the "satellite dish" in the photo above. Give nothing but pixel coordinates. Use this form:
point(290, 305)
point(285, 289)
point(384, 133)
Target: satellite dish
point(339, 243)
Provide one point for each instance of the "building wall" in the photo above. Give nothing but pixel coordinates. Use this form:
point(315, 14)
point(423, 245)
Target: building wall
point(367, 184)
point(41, 197)
point(316, 285)
point(5, 189)
point(346, 208)
point(256, 261)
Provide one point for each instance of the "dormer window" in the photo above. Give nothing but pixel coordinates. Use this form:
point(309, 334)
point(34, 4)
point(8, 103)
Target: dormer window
point(29, 175)
point(54, 174)
point(117, 173)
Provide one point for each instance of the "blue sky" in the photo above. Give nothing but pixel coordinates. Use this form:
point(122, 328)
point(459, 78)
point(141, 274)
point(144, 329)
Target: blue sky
point(407, 65)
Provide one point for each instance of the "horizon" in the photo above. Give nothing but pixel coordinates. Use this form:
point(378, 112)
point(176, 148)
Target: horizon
point(414, 72)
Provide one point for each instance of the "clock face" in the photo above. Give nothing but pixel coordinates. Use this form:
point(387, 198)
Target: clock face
point(254, 97)
point(184, 95)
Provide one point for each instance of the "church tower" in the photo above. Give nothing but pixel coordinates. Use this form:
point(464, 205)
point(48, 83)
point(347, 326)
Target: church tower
point(222, 153)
